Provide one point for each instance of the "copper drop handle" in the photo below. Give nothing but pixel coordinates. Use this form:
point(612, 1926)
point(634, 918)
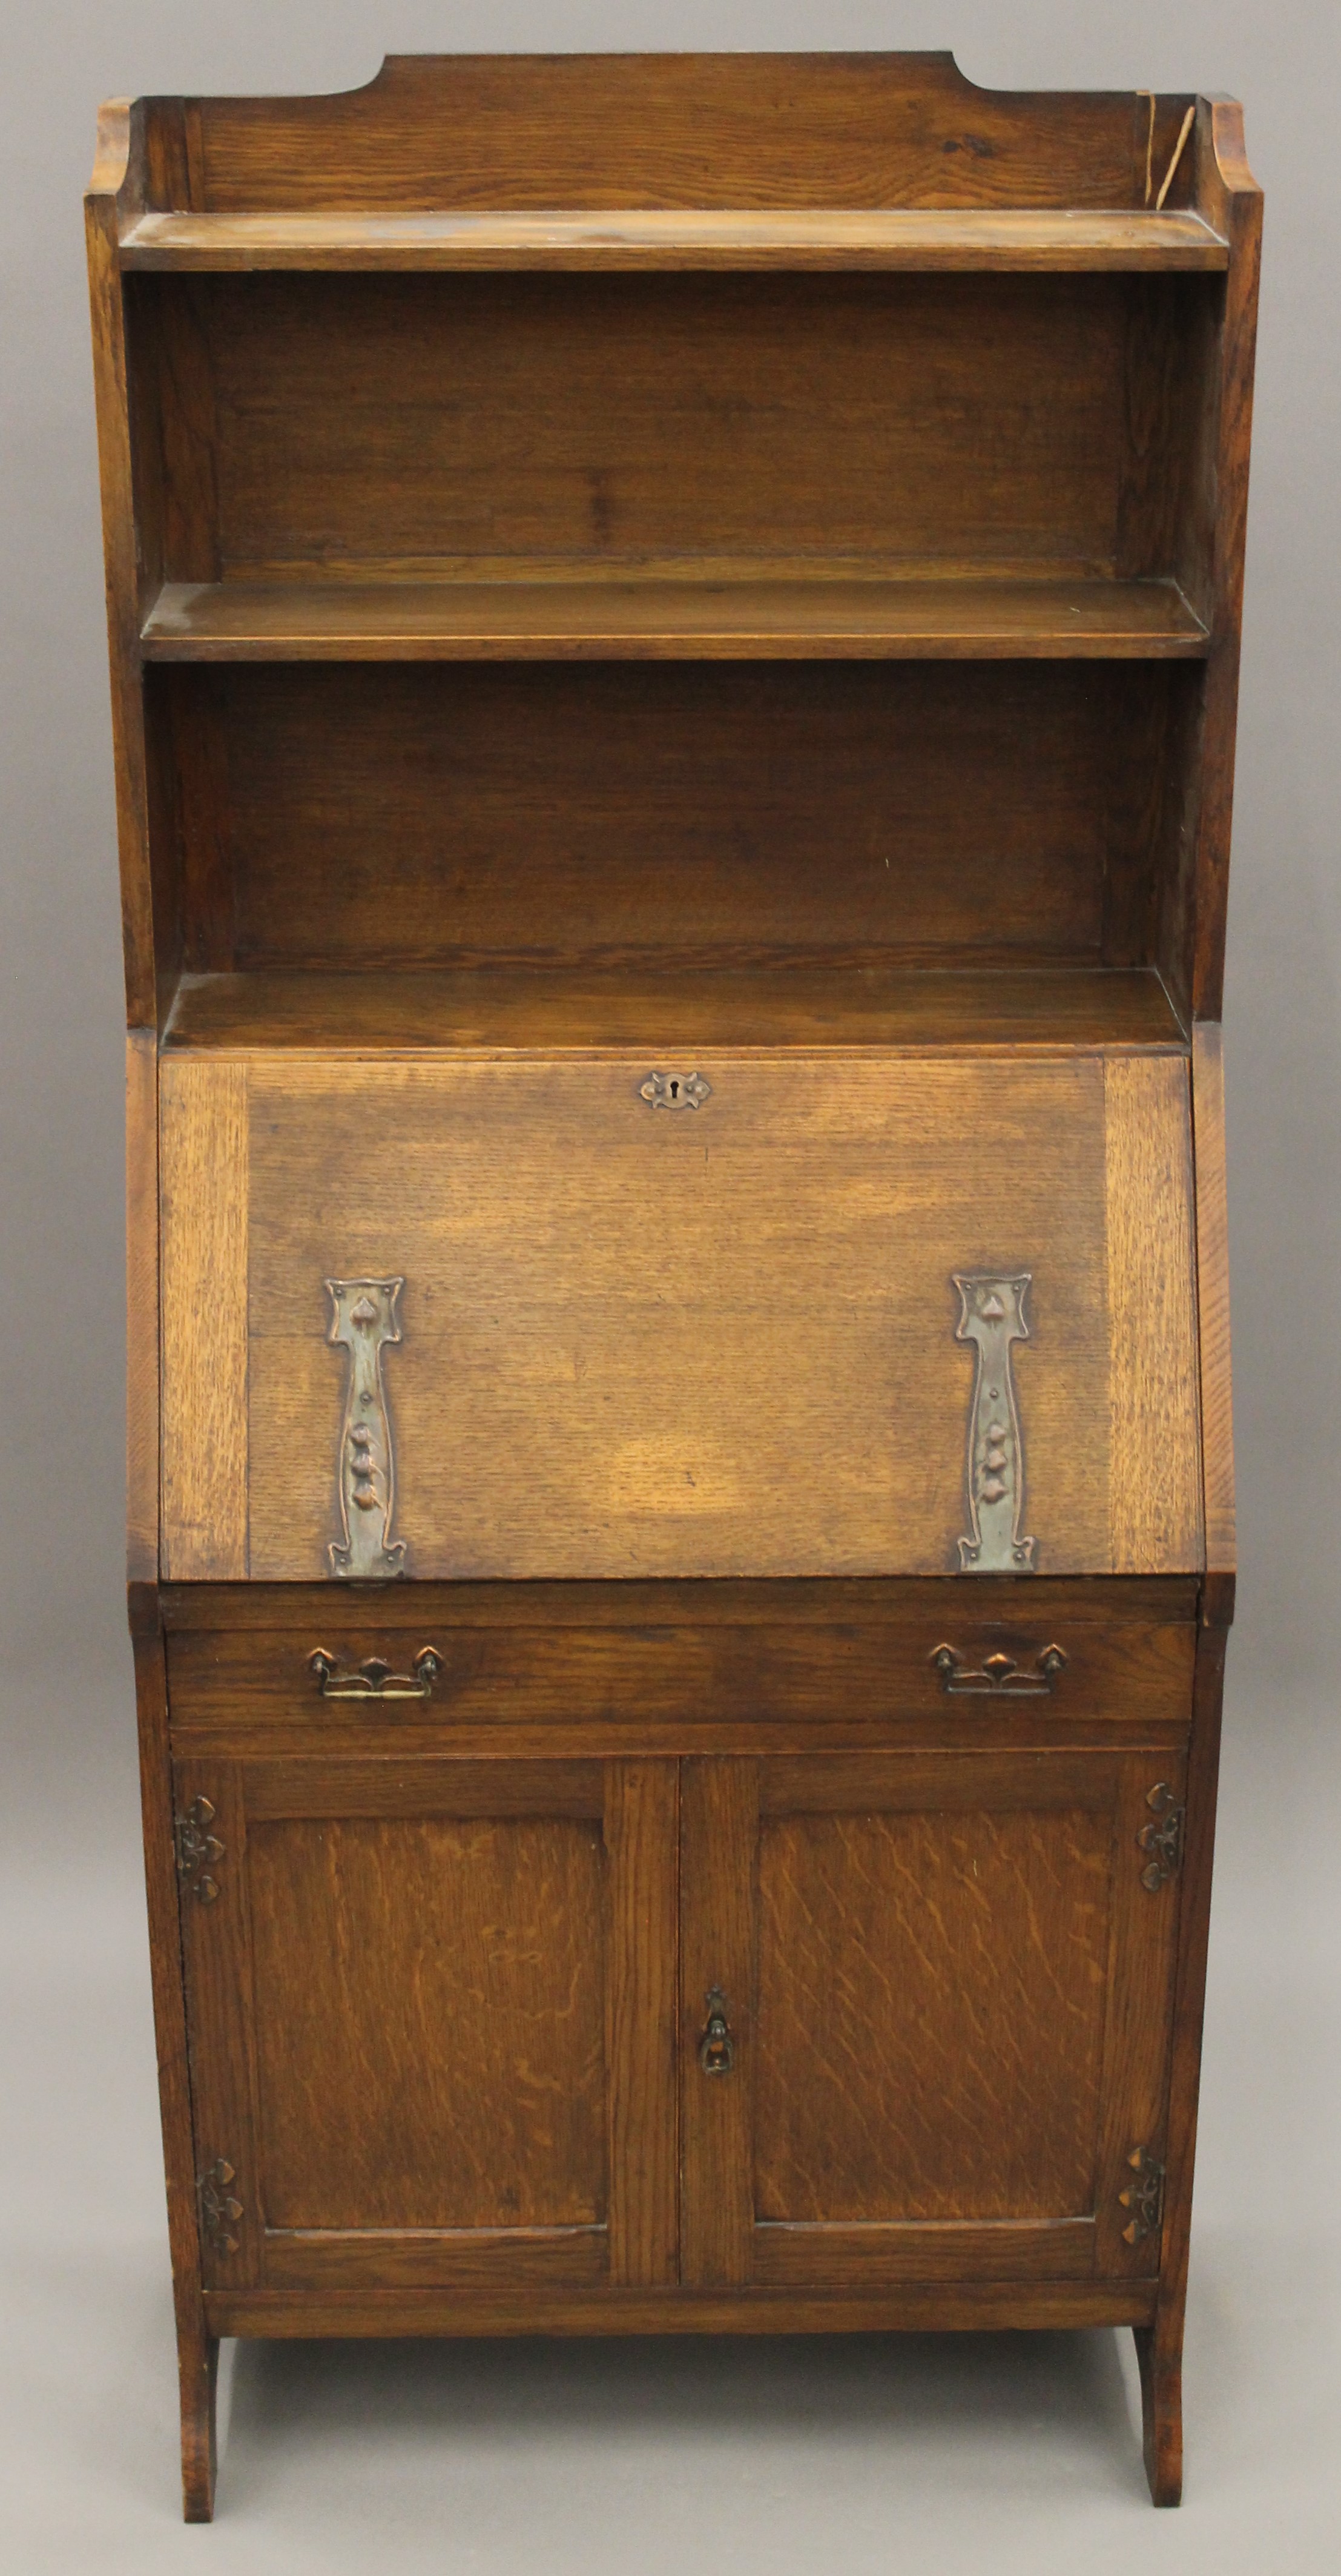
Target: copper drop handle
point(374, 1678)
point(999, 1676)
point(716, 2047)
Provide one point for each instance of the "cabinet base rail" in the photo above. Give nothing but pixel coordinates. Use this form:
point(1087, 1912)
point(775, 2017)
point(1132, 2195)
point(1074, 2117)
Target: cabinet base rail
point(916, 2306)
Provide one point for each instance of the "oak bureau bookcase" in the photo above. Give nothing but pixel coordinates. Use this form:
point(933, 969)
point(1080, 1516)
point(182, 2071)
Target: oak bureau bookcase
point(674, 638)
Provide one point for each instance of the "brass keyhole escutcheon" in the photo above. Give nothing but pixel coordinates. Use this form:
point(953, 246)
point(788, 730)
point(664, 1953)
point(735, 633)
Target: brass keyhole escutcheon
point(716, 2048)
point(675, 1090)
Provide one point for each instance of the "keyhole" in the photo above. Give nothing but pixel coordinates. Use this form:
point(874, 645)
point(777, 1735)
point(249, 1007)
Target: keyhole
point(674, 1089)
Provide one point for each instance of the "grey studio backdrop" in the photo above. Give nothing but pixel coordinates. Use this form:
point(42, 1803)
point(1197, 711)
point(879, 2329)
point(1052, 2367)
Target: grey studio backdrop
point(933, 2453)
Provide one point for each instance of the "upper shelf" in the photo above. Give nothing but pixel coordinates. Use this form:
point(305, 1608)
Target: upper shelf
point(667, 619)
point(903, 237)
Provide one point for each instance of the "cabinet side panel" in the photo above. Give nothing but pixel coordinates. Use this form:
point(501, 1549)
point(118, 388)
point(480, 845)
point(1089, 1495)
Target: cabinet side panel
point(1154, 1472)
point(203, 1119)
point(1189, 1988)
point(1217, 1406)
point(1230, 200)
point(141, 1308)
point(123, 612)
point(170, 2037)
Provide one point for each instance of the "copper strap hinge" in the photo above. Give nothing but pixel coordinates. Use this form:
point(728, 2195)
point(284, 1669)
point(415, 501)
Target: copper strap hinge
point(1144, 2196)
point(220, 2209)
point(1162, 1837)
point(198, 1850)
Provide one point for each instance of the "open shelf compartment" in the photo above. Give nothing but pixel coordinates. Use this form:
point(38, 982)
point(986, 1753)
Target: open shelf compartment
point(670, 464)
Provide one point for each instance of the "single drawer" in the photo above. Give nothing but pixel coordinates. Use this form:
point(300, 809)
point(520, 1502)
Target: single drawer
point(937, 1667)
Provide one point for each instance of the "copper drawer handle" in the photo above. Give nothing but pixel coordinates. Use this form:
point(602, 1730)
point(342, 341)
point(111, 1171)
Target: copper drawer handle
point(374, 1678)
point(998, 1676)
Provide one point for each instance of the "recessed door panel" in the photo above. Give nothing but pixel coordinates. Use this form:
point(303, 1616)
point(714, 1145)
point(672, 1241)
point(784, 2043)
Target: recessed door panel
point(437, 2060)
point(943, 1980)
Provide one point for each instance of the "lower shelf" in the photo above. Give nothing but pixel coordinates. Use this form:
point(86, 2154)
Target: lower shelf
point(547, 1009)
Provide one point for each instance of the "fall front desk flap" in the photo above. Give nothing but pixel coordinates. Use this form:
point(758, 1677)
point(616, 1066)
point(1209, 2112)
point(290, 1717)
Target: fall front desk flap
point(465, 1317)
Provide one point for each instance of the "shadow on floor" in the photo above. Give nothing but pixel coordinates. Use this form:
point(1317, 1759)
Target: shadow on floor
point(958, 2396)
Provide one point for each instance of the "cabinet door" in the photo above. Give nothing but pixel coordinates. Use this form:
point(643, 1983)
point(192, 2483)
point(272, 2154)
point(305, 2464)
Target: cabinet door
point(432, 2018)
point(945, 1983)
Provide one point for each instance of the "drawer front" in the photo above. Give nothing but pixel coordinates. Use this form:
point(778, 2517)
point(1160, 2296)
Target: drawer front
point(471, 1320)
point(941, 1674)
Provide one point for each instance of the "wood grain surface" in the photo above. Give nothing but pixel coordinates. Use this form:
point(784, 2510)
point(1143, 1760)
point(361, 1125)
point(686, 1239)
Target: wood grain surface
point(719, 815)
point(1004, 1605)
point(719, 1833)
point(1160, 2344)
point(951, 1990)
point(798, 2256)
point(1228, 190)
point(434, 423)
point(668, 129)
point(641, 1827)
point(197, 2346)
point(828, 1004)
point(1154, 1483)
point(142, 1336)
point(941, 2306)
point(439, 2062)
point(204, 1132)
point(828, 238)
point(434, 2014)
point(680, 1421)
point(1217, 1393)
point(288, 1792)
point(146, 942)
point(583, 1738)
point(839, 1671)
point(689, 619)
point(931, 2009)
